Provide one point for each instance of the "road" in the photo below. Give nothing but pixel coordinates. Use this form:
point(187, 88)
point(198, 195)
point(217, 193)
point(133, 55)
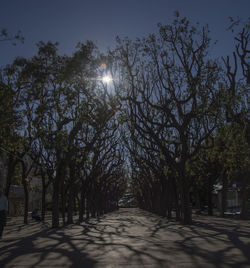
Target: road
point(128, 238)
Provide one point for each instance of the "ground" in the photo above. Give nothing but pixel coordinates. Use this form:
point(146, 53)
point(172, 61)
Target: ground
point(128, 238)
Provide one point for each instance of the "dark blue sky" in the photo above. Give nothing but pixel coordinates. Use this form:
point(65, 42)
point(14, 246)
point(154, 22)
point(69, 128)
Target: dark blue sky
point(70, 21)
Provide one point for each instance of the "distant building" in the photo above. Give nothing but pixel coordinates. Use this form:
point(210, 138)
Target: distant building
point(234, 197)
point(16, 198)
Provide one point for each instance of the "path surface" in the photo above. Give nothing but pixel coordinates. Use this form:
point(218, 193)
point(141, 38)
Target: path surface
point(128, 238)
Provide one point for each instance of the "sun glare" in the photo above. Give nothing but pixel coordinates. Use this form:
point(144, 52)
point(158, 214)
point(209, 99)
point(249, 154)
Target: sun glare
point(106, 79)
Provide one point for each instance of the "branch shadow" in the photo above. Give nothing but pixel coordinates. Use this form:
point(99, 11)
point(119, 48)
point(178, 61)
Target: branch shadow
point(213, 240)
point(45, 248)
point(132, 237)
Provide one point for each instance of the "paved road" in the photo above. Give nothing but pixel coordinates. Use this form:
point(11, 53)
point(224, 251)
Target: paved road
point(128, 238)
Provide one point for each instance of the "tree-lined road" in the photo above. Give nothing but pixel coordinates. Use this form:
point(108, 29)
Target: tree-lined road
point(128, 238)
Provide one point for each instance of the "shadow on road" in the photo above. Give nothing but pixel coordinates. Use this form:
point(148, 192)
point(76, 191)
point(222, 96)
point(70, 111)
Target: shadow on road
point(44, 248)
point(130, 237)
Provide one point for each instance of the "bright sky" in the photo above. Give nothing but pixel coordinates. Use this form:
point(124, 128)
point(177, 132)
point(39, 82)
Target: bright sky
point(70, 21)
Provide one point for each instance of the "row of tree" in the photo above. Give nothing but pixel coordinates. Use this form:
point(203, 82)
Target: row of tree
point(187, 117)
point(177, 121)
point(56, 112)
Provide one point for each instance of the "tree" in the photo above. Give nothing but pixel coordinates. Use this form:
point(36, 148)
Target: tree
point(170, 89)
point(6, 37)
point(236, 109)
point(67, 120)
point(10, 120)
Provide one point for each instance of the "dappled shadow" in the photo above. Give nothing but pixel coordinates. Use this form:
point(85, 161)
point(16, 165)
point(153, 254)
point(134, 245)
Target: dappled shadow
point(152, 239)
point(234, 235)
point(217, 241)
point(131, 237)
point(46, 248)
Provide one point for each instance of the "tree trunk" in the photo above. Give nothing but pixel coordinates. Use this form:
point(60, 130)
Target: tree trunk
point(93, 209)
point(87, 208)
point(26, 203)
point(169, 209)
point(63, 200)
point(197, 197)
point(176, 200)
point(210, 196)
point(187, 212)
point(169, 201)
point(55, 203)
point(224, 194)
point(169, 194)
point(71, 192)
point(163, 197)
point(26, 194)
point(70, 207)
point(43, 198)
point(10, 173)
point(81, 205)
point(76, 202)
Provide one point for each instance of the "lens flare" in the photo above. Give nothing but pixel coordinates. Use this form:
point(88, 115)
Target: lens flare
point(106, 79)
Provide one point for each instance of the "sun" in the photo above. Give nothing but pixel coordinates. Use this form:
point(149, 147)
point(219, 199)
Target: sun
point(106, 79)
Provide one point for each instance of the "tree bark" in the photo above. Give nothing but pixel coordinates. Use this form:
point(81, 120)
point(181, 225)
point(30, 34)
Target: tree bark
point(210, 196)
point(43, 197)
point(176, 200)
point(81, 205)
point(71, 192)
point(10, 173)
point(187, 212)
point(55, 202)
point(26, 194)
point(224, 194)
point(87, 207)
